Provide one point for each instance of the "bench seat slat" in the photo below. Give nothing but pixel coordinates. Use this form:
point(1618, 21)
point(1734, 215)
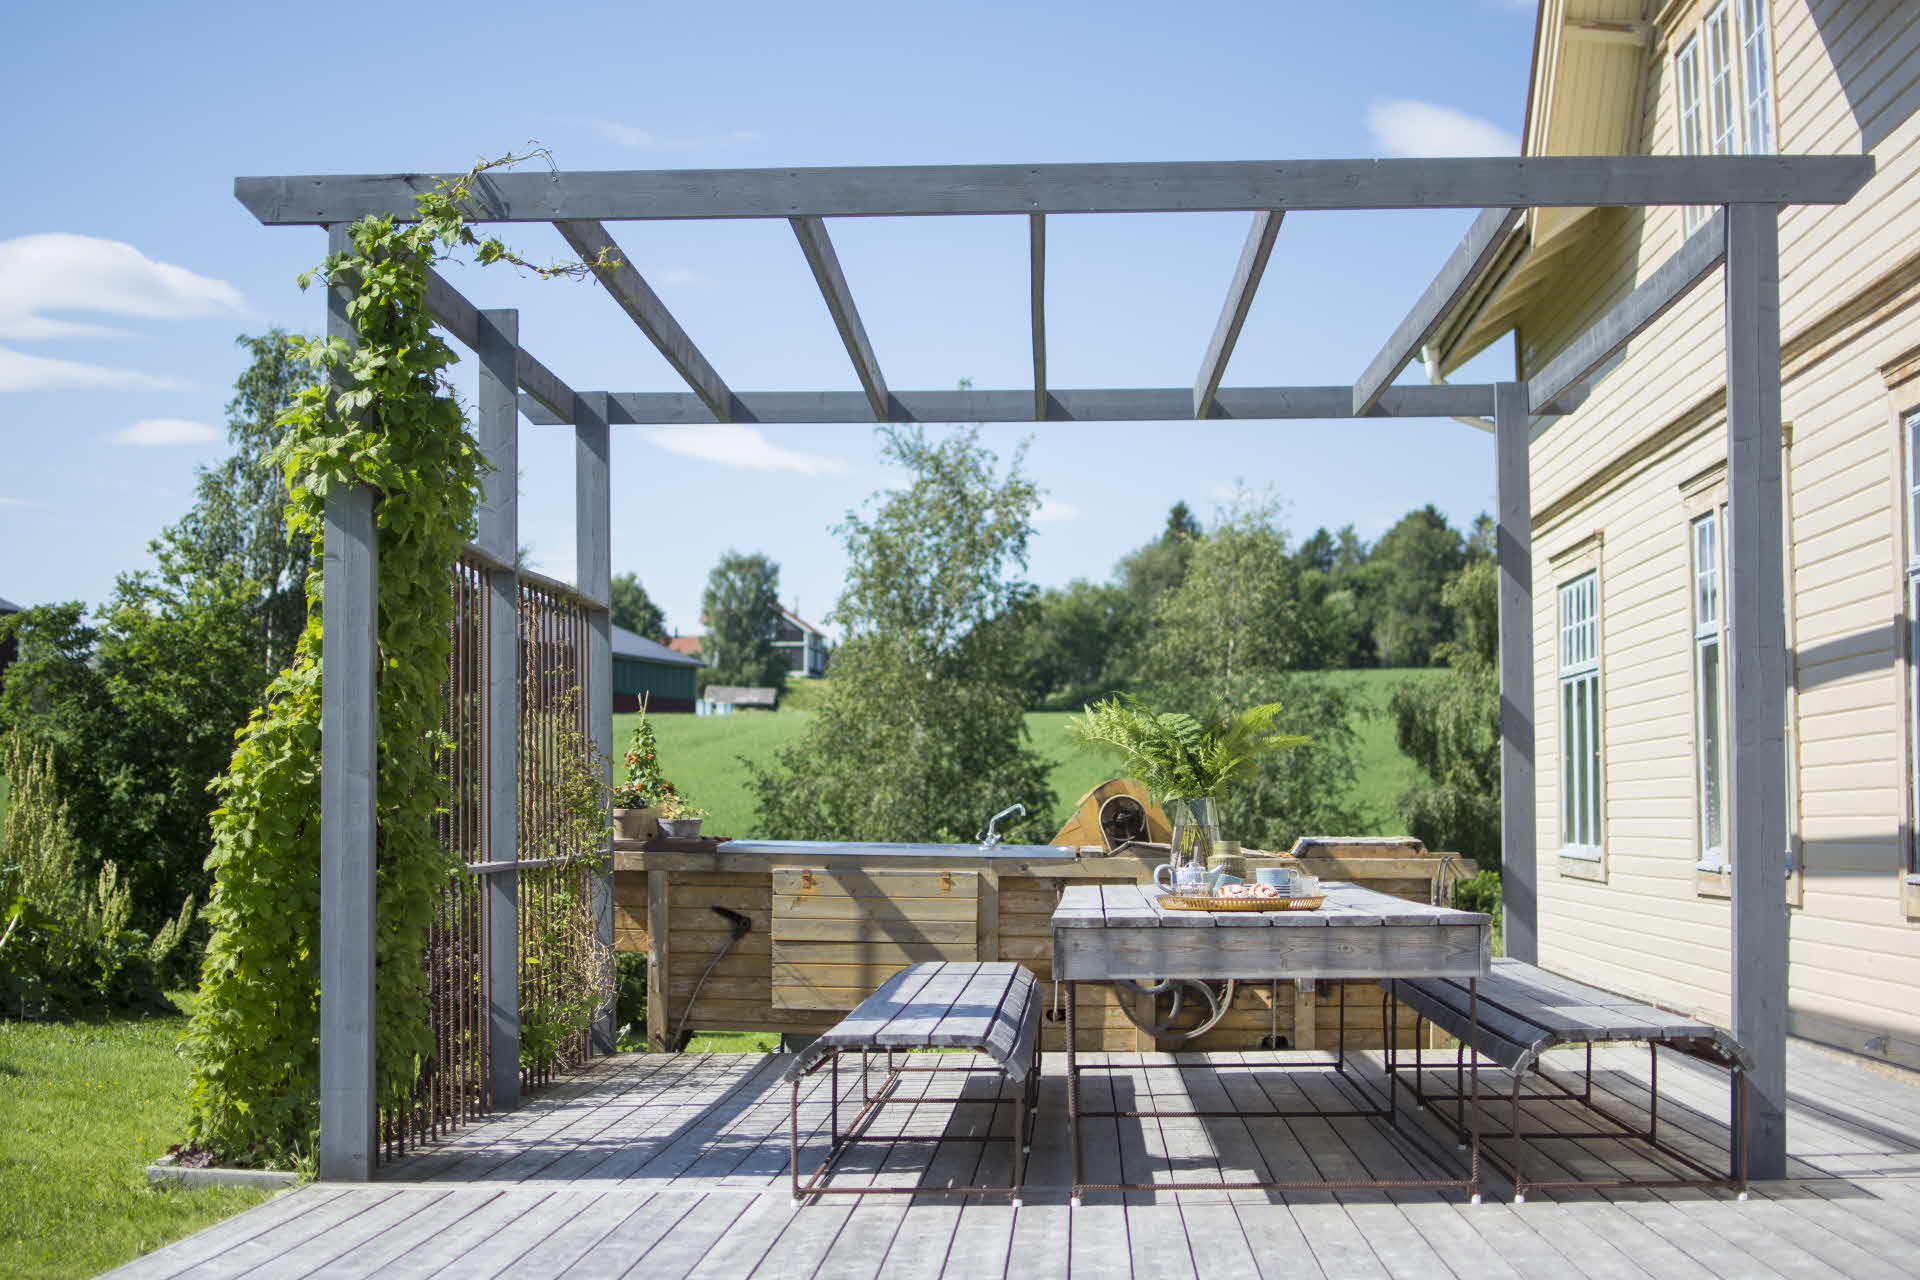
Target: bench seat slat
point(988, 1008)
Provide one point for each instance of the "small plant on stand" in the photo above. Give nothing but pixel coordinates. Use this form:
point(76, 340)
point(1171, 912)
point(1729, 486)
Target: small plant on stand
point(636, 802)
point(678, 819)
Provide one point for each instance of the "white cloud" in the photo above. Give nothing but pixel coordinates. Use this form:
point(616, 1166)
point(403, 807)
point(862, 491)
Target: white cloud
point(59, 271)
point(1402, 127)
point(683, 276)
point(21, 372)
point(165, 431)
point(622, 134)
point(20, 502)
point(1054, 511)
point(734, 445)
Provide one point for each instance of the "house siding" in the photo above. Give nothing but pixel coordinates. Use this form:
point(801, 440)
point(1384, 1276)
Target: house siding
point(1848, 79)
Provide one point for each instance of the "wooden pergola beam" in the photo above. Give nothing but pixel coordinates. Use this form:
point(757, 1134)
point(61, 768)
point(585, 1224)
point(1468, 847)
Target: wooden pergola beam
point(1469, 258)
point(818, 246)
point(1168, 187)
point(636, 297)
point(1702, 251)
point(1233, 313)
point(1123, 404)
point(461, 318)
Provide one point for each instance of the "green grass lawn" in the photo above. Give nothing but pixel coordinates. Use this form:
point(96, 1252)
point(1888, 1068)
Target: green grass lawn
point(701, 754)
point(83, 1107)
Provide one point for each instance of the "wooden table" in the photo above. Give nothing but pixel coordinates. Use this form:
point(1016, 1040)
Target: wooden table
point(1109, 933)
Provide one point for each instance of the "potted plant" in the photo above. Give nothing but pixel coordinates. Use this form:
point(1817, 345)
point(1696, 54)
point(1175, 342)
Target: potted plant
point(636, 801)
point(1188, 762)
point(678, 819)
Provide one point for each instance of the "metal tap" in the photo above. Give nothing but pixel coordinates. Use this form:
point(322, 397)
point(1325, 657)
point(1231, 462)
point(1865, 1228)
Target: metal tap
point(991, 837)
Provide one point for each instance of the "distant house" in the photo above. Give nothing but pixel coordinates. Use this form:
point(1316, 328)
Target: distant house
point(803, 645)
point(643, 667)
point(721, 700)
point(9, 648)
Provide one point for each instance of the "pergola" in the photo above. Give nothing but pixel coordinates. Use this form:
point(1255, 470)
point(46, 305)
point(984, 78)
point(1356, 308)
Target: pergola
point(1742, 237)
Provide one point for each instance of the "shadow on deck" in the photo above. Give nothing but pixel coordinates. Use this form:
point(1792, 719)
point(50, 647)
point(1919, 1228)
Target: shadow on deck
point(677, 1165)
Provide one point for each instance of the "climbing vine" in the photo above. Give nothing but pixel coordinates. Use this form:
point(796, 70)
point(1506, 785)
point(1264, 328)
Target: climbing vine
point(383, 414)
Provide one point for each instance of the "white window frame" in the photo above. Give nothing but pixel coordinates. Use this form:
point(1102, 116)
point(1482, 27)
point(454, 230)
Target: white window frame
point(1707, 614)
point(1722, 92)
point(1724, 87)
point(1581, 777)
point(1911, 425)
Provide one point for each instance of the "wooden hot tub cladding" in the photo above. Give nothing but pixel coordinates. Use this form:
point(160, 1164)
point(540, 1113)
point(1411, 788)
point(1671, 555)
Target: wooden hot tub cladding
point(829, 926)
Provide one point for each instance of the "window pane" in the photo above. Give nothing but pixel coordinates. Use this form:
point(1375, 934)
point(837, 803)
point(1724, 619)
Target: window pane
point(1567, 766)
point(1593, 760)
point(1756, 57)
point(1710, 748)
point(1720, 117)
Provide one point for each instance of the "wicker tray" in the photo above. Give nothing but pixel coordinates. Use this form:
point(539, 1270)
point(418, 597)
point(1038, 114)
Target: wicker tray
point(1203, 902)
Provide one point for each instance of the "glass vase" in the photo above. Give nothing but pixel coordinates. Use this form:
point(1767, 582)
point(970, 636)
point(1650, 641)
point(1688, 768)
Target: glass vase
point(1196, 825)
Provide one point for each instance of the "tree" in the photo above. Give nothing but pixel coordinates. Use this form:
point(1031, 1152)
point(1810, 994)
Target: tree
point(239, 514)
point(1235, 634)
point(741, 610)
point(635, 610)
point(921, 734)
point(1409, 566)
point(1449, 725)
point(1076, 643)
point(1153, 570)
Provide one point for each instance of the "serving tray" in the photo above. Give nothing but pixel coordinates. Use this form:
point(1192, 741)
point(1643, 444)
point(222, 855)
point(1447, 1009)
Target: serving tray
point(1205, 902)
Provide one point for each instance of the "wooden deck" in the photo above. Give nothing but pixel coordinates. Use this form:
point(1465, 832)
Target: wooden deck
point(662, 1166)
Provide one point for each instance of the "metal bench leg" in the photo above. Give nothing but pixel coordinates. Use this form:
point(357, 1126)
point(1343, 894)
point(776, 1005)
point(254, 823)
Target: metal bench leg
point(1473, 1049)
point(1073, 1089)
point(1019, 1142)
point(793, 1138)
point(1653, 1088)
point(1393, 1058)
point(1519, 1144)
point(1741, 1106)
point(833, 1095)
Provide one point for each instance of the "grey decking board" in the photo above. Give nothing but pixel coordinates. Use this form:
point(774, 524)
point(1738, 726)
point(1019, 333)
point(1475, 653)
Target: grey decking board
point(754, 1234)
point(375, 1257)
point(264, 1249)
point(172, 1259)
point(363, 1227)
point(614, 1253)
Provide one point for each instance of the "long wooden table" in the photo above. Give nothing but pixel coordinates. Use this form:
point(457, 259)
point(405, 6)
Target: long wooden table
point(1115, 933)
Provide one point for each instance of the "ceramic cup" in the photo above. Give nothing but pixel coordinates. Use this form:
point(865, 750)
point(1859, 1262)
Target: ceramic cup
point(1285, 879)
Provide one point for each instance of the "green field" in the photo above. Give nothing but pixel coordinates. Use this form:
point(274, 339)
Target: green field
point(85, 1106)
point(702, 753)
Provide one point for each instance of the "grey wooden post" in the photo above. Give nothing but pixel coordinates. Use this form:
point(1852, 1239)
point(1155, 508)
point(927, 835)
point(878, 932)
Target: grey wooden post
point(1757, 673)
point(593, 560)
point(1519, 872)
point(499, 535)
point(349, 736)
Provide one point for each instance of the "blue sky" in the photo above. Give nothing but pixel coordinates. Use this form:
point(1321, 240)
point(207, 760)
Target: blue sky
point(127, 269)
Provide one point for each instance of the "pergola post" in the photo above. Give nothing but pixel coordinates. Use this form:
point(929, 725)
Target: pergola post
point(498, 534)
point(593, 561)
point(349, 737)
point(1757, 674)
point(1519, 873)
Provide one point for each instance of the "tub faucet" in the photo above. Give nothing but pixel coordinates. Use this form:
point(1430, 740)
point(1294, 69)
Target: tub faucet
point(991, 837)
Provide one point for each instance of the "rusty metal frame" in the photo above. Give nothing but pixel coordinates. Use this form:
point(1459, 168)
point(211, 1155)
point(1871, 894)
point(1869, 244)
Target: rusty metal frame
point(1026, 1102)
point(1469, 1183)
point(1465, 1117)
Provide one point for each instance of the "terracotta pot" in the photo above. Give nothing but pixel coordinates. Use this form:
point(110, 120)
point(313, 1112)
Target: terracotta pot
point(680, 828)
point(635, 824)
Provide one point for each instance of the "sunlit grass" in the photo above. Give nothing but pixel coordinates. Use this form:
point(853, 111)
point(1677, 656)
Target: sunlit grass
point(84, 1107)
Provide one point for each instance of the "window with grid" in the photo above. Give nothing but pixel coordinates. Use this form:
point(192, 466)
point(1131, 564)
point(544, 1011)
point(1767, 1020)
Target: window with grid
point(1708, 693)
point(1580, 718)
point(1723, 86)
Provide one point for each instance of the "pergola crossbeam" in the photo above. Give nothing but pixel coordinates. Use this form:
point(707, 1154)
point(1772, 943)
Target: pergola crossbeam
point(636, 297)
point(1168, 187)
point(1226, 334)
point(1469, 258)
point(818, 246)
point(461, 318)
point(1703, 251)
point(1139, 404)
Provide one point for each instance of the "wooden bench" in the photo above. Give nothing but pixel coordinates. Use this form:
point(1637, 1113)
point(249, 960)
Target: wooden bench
point(991, 1009)
point(1522, 1011)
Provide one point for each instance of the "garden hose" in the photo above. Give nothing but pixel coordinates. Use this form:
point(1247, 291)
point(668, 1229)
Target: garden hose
point(741, 928)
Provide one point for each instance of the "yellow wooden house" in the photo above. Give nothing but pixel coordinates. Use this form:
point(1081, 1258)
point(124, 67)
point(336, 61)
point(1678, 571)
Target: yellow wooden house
point(1629, 510)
